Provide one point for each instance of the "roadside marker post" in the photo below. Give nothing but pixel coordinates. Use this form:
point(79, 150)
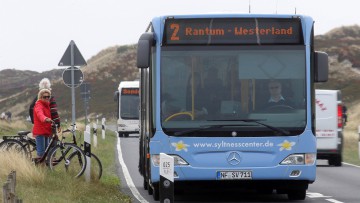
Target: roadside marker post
point(359, 140)
point(166, 186)
point(103, 128)
point(87, 151)
point(94, 134)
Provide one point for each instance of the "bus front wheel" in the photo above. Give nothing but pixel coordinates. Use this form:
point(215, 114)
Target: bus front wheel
point(156, 192)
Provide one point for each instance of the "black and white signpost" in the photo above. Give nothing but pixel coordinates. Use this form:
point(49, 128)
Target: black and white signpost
point(94, 134)
point(87, 151)
point(103, 128)
point(166, 186)
point(72, 57)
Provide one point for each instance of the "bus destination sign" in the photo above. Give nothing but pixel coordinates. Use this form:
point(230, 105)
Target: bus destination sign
point(130, 91)
point(233, 31)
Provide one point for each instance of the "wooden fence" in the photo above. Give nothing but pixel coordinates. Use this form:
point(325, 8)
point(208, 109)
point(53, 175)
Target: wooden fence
point(9, 189)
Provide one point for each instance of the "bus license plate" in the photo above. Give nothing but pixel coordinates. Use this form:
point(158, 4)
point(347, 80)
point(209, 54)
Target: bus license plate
point(234, 175)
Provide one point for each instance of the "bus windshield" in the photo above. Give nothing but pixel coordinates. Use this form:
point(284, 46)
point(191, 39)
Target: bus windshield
point(129, 107)
point(221, 85)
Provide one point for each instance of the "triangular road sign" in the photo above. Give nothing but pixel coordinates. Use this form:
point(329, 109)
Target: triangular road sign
point(78, 58)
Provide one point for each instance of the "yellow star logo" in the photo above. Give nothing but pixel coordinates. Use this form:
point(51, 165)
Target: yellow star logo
point(286, 145)
point(180, 146)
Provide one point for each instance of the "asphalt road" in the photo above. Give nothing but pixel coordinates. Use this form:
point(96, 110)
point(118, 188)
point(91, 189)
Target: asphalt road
point(333, 184)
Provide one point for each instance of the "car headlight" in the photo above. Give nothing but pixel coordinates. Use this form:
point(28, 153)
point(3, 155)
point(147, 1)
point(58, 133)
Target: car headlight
point(122, 125)
point(299, 159)
point(155, 159)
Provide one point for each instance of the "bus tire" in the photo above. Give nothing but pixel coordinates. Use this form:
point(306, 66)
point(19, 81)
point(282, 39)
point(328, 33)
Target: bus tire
point(150, 189)
point(297, 194)
point(120, 134)
point(156, 194)
point(335, 160)
point(145, 184)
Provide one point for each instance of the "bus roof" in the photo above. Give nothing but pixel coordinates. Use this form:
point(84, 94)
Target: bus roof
point(128, 84)
point(233, 15)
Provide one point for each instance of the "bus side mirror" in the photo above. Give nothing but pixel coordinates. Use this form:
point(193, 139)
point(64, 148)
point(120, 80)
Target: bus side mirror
point(116, 96)
point(321, 66)
point(145, 43)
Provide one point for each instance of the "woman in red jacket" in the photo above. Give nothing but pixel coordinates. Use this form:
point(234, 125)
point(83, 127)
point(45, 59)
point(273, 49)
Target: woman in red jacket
point(42, 121)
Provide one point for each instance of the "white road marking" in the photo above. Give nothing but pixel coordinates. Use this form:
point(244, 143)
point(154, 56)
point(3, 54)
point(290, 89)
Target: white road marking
point(315, 195)
point(334, 201)
point(351, 165)
point(319, 195)
point(127, 176)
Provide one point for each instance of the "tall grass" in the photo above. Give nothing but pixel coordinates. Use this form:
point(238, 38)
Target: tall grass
point(25, 170)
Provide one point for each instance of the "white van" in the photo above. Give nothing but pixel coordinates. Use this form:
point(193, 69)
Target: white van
point(127, 98)
point(329, 125)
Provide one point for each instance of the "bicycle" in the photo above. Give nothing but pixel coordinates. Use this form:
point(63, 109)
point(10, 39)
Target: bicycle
point(59, 156)
point(61, 153)
point(20, 143)
point(96, 166)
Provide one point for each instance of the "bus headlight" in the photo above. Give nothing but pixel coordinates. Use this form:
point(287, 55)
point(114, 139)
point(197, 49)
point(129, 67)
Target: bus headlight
point(122, 125)
point(299, 159)
point(155, 159)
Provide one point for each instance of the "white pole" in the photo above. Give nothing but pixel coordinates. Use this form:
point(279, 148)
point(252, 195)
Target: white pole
point(103, 128)
point(87, 151)
point(359, 141)
point(95, 134)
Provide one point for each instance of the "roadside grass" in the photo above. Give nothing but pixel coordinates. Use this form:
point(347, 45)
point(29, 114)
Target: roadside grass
point(351, 147)
point(351, 136)
point(11, 128)
point(39, 184)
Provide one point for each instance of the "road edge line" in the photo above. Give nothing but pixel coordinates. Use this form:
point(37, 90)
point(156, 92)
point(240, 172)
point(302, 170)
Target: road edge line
point(127, 176)
point(351, 164)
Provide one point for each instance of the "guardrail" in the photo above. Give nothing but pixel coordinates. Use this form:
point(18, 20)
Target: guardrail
point(9, 189)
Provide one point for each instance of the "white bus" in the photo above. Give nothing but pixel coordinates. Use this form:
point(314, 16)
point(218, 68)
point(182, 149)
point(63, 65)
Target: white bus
point(127, 98)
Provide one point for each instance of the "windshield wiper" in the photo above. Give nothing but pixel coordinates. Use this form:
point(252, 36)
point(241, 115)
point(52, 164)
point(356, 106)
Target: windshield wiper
point(205, 127)
point(276, 129)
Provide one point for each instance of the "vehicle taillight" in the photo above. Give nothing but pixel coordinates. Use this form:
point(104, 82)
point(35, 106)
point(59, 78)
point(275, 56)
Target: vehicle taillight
point(340, 119)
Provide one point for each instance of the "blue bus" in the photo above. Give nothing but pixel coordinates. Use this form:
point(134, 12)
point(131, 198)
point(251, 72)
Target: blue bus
point(205, 88)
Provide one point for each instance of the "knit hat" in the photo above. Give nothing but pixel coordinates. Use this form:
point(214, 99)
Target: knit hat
point(45, 84)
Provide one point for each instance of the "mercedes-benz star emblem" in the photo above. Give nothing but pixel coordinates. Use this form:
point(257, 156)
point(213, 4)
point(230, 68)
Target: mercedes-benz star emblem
point(234, 158)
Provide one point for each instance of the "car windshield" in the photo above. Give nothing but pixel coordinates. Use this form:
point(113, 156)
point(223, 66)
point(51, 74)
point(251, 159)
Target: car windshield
point(216, 85)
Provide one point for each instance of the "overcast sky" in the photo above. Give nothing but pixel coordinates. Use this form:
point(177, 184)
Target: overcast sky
point(34, 34)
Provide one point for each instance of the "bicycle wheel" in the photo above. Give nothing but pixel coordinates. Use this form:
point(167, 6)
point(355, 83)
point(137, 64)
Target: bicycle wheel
point(11, 145)
point(95, 166)
point(59, 160)
point(30, 148)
